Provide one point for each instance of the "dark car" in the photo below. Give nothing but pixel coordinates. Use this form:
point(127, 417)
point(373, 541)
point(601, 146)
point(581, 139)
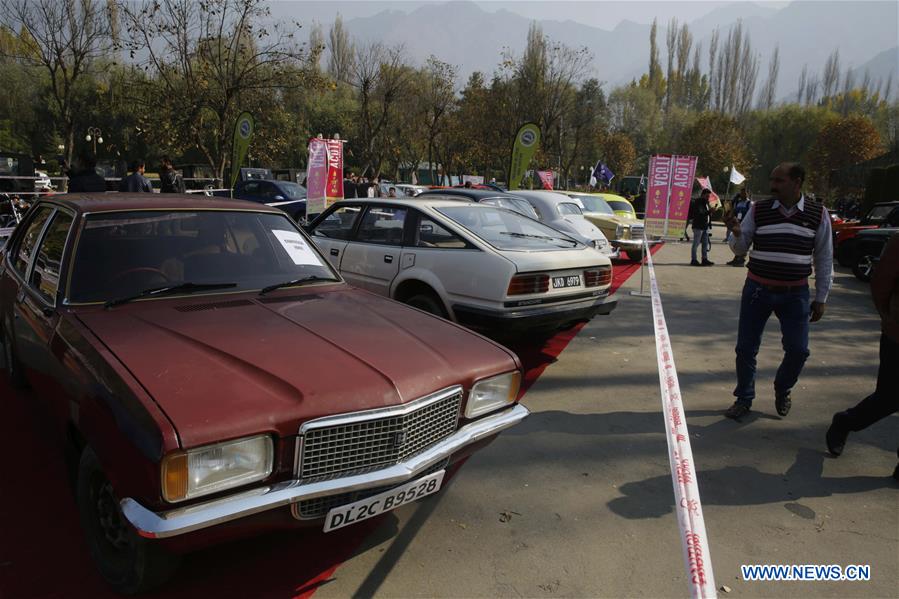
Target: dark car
point(285, 195)
point(883, 214)
point(490, 197)
point(868, 245)
point(848, 245)
point(209, 376)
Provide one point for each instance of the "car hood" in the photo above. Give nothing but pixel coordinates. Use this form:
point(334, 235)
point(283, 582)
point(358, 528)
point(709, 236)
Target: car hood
point(614, 219)
point(222, 368)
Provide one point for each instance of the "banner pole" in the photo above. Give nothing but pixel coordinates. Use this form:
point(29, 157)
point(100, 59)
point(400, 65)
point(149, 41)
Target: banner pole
point(643, 247)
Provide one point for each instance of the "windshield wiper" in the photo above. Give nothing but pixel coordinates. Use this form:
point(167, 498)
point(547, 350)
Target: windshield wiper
point(512, 234)
point(528, 235)
point(179, 288)
point(294, 282)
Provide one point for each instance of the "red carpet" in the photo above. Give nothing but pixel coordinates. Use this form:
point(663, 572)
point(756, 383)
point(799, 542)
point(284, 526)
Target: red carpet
point(43, 554)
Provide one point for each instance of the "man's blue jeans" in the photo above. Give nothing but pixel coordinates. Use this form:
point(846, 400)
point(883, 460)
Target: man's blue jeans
point(792, 309)
point(700, 236)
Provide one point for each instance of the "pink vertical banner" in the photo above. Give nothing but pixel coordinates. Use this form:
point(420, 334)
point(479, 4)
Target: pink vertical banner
point(334, 191)
point(683, 171)
point(317, 176)
point(657, 194)
point(546, 177)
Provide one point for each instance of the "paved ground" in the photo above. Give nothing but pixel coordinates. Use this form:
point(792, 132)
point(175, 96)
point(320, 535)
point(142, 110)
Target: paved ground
point(577, 500)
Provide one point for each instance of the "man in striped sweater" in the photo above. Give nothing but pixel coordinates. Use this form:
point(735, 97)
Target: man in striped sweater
point(789, 234)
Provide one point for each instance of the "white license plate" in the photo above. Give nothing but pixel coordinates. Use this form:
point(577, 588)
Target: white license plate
point(383, 502)
point(562, 282)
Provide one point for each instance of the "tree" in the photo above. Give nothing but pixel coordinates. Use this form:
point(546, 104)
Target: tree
point(719, 142)
point(619, 153)
point(766, 98)
point(842, 143)
point(66, 38)
point(341, 52)
point(785, 133)
point(633, 110)
point(656, 78)
point(831, 81)
point(437, 97)
point(207, 62)
point(379, 75)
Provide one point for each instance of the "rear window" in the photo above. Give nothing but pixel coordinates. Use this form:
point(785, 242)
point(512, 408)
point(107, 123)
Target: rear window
point(506, 230)
point(621, 206)
point(124, 253)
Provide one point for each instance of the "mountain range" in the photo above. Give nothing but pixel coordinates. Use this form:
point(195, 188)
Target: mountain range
point(463, 33)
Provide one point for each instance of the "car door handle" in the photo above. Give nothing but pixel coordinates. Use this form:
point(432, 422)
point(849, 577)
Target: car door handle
point(388, 259)
point(335, 251)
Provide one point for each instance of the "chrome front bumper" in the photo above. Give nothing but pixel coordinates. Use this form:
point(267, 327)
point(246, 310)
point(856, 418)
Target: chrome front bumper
point(159, 525)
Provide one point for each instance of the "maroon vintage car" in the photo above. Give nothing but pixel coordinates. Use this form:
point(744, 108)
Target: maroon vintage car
point(209, 376)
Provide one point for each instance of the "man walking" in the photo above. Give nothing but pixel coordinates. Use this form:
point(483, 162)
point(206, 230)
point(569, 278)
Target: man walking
point(136, 182)
point(169, 179)
point(788, 233)
point(701, 218)
point(885, 399)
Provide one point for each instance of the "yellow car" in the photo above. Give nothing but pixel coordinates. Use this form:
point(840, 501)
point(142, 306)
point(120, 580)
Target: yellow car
point(620, 205)
point(616, 218)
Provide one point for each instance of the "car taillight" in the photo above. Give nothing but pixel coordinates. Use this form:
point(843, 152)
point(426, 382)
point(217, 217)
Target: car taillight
point(524, 284)
point(597, 277)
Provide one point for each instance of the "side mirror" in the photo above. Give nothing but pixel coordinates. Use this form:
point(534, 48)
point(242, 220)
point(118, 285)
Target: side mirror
point(278, 198)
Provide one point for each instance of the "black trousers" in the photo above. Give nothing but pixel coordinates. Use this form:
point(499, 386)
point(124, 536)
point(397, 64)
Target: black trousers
point(885, 399)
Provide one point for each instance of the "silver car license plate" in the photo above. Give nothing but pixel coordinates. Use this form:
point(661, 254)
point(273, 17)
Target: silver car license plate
point(570, 281)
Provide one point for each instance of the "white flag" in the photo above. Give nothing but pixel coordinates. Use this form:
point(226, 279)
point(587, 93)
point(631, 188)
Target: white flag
point(735, 177)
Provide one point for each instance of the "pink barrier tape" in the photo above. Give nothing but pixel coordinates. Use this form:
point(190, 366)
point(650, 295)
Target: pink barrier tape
point(687, 505)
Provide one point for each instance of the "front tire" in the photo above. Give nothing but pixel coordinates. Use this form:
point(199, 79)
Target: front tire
point(428, 303)
point(129, 563)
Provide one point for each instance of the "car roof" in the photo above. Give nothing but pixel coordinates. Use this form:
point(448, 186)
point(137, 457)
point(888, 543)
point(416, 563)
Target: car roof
point(474, 194)
point(432, 200)
point(113, 202)
point(549, 198)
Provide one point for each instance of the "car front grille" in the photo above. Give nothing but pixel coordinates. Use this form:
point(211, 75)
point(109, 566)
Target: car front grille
point(319, 507)
point(636, 231)
point(361, 442)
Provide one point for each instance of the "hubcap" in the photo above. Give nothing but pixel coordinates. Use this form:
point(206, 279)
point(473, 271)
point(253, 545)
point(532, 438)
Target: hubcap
point(866, 265)
point(110, 517)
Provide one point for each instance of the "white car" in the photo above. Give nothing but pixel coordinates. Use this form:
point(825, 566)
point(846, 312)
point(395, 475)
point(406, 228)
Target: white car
point(485, 267)
point(42, 181)
point(566, 214)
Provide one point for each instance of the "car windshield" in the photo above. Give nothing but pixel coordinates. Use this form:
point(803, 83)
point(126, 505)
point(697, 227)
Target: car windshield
point(507, 230)
point(620, 205)
point(122, 254)
point(568, 209)
point(518, 205)
point(595, 204)
point(879, 214)
point(293, 190)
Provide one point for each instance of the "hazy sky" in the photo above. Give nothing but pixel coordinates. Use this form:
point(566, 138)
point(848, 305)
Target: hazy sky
point(589, 12)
